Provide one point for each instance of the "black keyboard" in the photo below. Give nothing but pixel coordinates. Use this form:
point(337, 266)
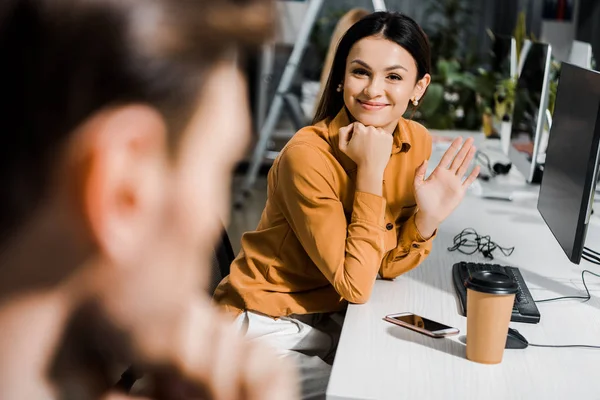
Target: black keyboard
point(524, 308)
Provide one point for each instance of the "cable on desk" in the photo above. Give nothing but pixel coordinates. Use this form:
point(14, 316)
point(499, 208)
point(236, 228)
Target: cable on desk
point(587, 249)
point(469, 242)
point(485, 161)
point(555, 346)
point(584, 346)
point(584, 298)
point(591, 256)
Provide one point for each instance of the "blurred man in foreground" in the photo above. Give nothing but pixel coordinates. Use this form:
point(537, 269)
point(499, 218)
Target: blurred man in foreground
point(121, 121)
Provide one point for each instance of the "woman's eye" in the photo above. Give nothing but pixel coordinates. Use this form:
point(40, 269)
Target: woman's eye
point(360, 71)
point(395, 77)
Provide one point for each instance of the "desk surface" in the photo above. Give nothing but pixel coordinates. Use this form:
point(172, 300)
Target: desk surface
point(378, 360)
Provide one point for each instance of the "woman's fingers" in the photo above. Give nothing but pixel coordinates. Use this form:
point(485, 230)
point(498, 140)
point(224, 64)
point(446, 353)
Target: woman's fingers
point(462, 155)
point(450, 153)
point(471, 178)
point(462, 169)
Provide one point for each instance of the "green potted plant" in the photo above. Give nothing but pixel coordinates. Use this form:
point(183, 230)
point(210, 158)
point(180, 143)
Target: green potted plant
point(451, 100)
point(504, 98)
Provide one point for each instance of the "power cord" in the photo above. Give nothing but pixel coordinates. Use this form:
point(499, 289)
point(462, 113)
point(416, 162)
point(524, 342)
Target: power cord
point(469, 242)
point(591, 251)
point(555, 346)
point(591, 256)
point(584, 346)
point(585, 298)
point(592, 259)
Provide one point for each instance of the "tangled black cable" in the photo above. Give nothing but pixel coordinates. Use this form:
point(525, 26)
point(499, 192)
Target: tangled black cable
point(470, 242)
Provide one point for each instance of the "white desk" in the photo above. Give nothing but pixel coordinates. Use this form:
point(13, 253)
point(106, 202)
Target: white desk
point(378, 360)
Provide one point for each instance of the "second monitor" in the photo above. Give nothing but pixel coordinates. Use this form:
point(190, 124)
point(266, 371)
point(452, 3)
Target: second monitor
point(567, 190)
point(530, 105)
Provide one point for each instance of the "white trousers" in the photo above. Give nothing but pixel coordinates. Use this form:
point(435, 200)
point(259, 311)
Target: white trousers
point(310, 341)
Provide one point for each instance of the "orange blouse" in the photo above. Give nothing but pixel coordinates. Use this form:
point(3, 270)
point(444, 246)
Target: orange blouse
point(320, 243)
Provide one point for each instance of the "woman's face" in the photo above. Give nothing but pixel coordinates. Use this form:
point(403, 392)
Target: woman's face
point(379, 81)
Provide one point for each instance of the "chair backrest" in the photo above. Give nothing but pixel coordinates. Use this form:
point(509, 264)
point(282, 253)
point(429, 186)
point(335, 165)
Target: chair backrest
point(221, 261)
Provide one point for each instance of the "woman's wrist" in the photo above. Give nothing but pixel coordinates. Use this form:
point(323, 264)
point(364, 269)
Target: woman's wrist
point(425, 224)
point(369, 181)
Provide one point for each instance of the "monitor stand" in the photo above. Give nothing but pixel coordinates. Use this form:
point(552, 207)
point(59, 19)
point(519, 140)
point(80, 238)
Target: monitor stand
point(537, 174)
point(505, 188)
point(543, 146)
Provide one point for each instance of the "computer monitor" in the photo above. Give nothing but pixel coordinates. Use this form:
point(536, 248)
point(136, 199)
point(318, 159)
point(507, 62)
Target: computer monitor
point(529, 115)
point(503, 56)
point(581, 54)
point(571, 170)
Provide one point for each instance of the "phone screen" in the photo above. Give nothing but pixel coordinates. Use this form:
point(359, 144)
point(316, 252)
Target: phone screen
point(421, 322)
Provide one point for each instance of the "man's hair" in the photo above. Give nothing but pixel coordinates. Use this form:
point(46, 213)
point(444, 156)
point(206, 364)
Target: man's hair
point(64, 60)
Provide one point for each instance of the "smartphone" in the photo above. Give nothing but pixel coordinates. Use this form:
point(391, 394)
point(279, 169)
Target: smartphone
point(421, 325)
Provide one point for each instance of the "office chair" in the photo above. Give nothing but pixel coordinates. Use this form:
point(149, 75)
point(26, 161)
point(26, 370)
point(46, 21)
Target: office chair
point(220, 263)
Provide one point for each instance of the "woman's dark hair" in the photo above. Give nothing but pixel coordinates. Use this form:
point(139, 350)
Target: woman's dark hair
point(392, 26)
point(64, 60)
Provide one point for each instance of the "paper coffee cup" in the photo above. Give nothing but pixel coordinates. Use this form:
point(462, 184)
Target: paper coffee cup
point(490, 298)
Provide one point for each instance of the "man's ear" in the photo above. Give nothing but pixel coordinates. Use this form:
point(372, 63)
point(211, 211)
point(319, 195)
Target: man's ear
point(122, 183)
point(421, 86)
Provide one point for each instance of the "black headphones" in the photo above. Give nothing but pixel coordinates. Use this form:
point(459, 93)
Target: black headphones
point(495, 170)
point(502, 169)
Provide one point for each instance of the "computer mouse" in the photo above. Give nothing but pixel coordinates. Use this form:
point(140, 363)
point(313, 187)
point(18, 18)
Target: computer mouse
point(514, 340)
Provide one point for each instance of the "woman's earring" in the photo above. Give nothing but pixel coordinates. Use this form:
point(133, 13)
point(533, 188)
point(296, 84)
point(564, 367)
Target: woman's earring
point(339, 88)
point(415, 101)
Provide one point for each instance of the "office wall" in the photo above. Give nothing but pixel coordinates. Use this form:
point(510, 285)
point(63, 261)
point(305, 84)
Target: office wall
point(498, 15)
point(560, 34)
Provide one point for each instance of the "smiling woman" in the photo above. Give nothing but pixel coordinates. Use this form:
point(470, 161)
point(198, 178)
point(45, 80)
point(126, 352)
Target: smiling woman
point(381, 87)
point(348, 199)
point(387, 56)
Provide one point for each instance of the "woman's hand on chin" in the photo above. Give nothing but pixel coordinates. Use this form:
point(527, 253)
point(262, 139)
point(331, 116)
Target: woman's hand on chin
point(370, 149)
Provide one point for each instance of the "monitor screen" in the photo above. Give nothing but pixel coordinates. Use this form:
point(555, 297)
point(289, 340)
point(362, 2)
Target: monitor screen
point(500, 56)
point(503, 58)
point(567, 189)
point(529, 115)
